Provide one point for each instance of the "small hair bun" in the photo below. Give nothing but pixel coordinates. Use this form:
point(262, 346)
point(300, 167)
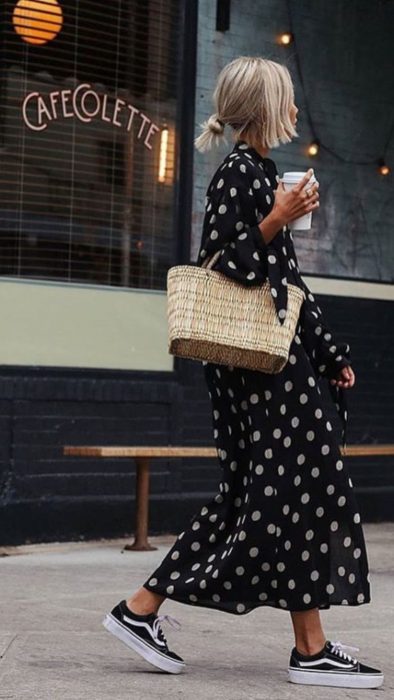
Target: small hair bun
point(212, 131)
point(215, 124)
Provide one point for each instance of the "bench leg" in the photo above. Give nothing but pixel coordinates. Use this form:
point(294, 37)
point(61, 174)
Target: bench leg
point(141, 543)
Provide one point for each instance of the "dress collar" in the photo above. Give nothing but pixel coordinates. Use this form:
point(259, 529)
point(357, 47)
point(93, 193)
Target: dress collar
point(242, 145)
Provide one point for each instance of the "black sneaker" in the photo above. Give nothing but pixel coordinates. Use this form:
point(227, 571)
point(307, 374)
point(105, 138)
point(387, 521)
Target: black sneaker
point(332, 666)
point(144, 634)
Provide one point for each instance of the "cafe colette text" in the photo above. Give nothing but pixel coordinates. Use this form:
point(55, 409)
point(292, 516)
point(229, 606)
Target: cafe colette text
point(85, 104)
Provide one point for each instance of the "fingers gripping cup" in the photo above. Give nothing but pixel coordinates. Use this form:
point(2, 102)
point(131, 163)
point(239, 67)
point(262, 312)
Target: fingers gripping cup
point(303, 223)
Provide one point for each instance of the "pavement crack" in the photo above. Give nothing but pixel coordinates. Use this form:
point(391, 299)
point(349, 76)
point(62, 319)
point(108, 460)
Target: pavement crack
point(7, 648)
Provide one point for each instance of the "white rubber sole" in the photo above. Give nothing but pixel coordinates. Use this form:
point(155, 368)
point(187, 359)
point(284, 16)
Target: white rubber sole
point(333, 678)
point(153, 657)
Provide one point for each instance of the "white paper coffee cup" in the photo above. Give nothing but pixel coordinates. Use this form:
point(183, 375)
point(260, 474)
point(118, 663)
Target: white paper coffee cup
point(303, 223)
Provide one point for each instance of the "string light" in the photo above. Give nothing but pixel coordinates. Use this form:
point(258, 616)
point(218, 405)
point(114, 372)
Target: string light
point(383, 168)
point(316, 145)
point(285, 39)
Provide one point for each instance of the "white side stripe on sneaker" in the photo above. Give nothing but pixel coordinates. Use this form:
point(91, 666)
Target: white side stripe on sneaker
point(153, 631)
point(137, 623)
point(318, 662)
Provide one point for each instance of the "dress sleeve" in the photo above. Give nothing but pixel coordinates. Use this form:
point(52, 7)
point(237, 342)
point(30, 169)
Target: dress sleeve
point(236, 202)
point(327, 355)
point(232, 215)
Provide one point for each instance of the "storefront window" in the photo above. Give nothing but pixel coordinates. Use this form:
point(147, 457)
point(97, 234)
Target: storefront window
point(88, 118)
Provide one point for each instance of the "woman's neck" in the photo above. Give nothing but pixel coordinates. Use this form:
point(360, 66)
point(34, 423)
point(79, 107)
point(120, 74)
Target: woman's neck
point(263, 152)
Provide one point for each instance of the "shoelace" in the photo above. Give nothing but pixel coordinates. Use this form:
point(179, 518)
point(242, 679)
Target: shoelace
point(338, 648)
point(167, 618)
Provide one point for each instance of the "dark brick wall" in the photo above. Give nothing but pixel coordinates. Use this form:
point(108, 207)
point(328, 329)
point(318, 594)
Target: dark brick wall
point(45, 496)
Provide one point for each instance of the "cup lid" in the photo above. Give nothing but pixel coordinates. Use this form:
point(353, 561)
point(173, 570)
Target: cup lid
point(295, 176)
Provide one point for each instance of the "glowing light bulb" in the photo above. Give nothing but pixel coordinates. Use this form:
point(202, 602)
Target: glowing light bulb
point(383, 168)
point(285, 39)
point(313, 148)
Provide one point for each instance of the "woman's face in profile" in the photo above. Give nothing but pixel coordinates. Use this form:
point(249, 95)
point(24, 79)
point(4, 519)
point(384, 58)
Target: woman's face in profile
point(293, 114)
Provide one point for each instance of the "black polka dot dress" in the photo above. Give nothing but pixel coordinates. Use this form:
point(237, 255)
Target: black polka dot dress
point(283, 529)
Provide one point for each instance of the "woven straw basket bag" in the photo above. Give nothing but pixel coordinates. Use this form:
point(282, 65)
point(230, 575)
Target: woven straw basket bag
point(214, 318)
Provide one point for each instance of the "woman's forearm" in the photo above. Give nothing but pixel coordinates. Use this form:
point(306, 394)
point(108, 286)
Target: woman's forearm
point(270, 226)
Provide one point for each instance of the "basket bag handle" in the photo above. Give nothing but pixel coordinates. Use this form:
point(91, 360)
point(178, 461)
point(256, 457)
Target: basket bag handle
point(208, 263)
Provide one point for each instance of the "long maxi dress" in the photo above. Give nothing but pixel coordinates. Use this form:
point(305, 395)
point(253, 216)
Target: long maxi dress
point(284, 528)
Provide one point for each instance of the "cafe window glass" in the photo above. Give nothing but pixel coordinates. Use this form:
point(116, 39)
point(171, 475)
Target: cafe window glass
point(88, 123)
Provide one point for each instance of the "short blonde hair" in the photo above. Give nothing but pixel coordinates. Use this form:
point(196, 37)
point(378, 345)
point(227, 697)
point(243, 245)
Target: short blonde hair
point(254, 96)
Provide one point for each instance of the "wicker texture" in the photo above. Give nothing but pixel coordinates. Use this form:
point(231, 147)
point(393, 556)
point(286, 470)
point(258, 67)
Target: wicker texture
point(214, 318)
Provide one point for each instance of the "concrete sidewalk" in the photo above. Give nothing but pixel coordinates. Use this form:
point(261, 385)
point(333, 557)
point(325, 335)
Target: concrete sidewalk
point(53, 646)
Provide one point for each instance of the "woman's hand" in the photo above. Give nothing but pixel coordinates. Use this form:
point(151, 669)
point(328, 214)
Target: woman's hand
point(345, 378)
point(296, 202)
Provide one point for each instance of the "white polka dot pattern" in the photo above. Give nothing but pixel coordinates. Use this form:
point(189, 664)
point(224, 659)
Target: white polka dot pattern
point(284, 529)
point(245, 256)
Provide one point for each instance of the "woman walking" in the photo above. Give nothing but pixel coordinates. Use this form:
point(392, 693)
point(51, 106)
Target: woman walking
point(284, 529)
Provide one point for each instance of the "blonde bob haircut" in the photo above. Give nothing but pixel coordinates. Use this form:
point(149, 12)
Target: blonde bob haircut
point(253, 96)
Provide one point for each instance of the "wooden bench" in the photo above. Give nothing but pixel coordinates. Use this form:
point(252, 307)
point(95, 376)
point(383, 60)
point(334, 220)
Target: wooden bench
point(143, 455)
